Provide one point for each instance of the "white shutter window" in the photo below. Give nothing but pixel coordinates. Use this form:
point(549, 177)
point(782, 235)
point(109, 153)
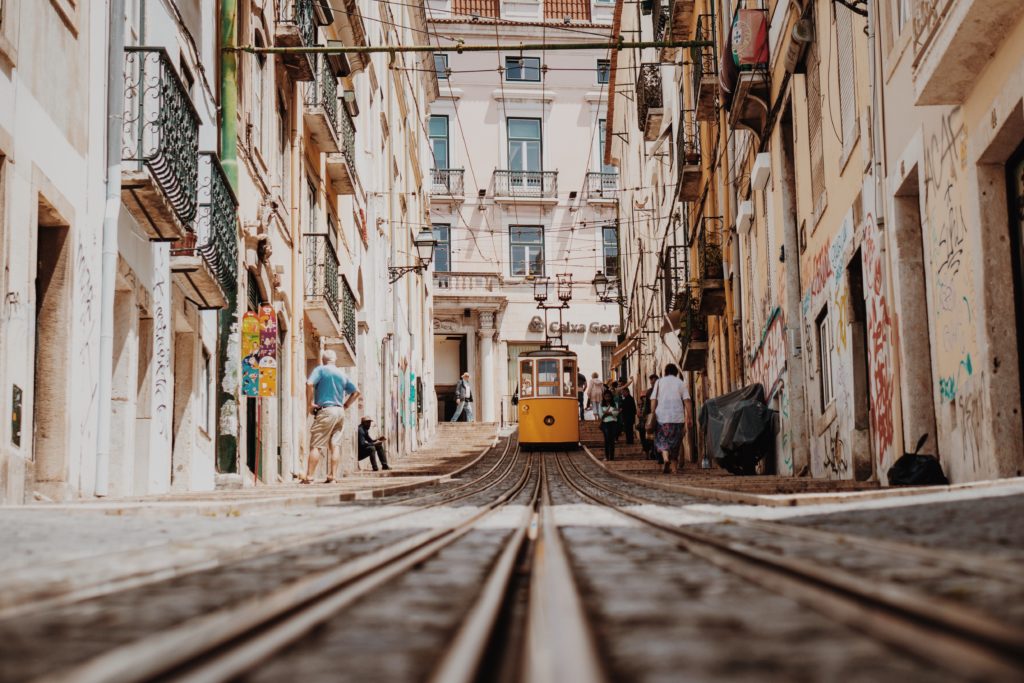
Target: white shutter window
point(847, 77)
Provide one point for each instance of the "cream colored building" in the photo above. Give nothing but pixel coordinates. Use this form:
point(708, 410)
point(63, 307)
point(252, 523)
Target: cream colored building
point(519, 194)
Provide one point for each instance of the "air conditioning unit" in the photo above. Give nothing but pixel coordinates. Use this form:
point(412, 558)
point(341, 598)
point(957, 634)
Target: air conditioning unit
point(745, 217)
point(761, 172)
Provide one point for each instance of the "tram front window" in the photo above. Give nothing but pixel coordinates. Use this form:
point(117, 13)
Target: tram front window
point(569, 378)
point(526, 379)
point(547, 378)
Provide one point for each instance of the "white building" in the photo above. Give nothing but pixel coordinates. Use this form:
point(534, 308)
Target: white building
point(519, 192)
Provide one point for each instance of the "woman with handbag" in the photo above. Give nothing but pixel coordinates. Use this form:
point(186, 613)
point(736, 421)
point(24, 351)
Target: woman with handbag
point(672, 408)
point(608, 414)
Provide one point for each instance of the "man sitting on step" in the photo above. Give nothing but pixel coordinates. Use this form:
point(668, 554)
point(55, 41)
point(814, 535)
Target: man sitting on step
point(369, 447)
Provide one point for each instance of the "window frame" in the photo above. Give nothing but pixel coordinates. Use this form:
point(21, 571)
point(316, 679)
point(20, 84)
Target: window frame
point(442, 246)
point(522, 67)
point(442, 74)
point(605, 244)
point(435, 138)
point(826, 384)
point(606, 71)
point(539, 140)
point(513, 244)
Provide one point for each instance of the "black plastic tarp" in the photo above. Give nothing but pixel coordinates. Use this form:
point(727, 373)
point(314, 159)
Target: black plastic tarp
point(739, 429)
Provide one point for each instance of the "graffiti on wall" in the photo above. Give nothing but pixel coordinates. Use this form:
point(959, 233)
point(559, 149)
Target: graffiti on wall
point(881, 331)
point(161, 341)
point(85, 293)
point(769, 360)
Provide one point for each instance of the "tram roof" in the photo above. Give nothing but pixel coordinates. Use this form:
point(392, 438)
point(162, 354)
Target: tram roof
point(548, 353)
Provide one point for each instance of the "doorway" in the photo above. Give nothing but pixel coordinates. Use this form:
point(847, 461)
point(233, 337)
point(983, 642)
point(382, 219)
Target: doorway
point(53, 320)
point(1015, 199)
point(863, 463)
point(450, 361)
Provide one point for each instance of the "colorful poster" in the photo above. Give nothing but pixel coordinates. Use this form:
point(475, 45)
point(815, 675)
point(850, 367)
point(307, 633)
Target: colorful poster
point(250, 354)
point(267, 352)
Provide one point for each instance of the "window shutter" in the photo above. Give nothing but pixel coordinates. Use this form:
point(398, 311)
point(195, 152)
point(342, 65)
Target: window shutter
point(847, 76)
point(814, 125)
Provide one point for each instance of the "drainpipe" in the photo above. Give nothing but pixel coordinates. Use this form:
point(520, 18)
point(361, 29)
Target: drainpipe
point(227, 442)
point(111, 215)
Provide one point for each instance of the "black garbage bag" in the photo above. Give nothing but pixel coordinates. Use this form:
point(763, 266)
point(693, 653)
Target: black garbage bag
point(914, 469)
point(738, 429)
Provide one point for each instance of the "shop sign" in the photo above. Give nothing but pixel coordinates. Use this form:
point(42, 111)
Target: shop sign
point(537, 325)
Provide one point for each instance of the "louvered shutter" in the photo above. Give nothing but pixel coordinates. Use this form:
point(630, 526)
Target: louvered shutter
point(847, 76)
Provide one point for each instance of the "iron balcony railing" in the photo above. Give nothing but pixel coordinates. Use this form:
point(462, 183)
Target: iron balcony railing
point(302, 14)
point(687, 141)
point(347, 138)
point(323, 92)
point(675, 272)
point(704, 59)
point(648, 92)
point(160, 131)
point(662, 19)
point(348, 315)
point(467, 282)
point(447, 181)
point(322, 271)
point(602, 185)
point(709, 249)
point(695, 324)
point(536, 184)
point(214, 233)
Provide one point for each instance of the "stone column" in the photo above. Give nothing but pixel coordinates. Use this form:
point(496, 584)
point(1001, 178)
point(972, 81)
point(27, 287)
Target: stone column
point(485, 385)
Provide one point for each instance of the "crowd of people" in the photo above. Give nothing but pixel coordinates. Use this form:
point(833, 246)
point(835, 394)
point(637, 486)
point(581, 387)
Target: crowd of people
point(665, 413)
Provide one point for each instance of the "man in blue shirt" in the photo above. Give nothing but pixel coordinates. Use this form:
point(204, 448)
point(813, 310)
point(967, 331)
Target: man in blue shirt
point(328, 393)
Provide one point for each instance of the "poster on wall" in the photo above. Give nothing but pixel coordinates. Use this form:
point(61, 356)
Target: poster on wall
point(259, 353)
point(250, 354)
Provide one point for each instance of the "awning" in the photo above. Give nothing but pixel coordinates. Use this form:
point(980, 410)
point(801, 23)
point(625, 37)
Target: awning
point(624, 349)
point(672, 321)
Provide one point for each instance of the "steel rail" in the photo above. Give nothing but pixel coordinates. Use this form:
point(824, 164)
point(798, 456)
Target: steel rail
point(224, 644)
point(992, 568)
point(459, 48)
point(928, 628)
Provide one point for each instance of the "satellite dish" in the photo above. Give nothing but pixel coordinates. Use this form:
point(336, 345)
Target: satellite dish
point(803, 31)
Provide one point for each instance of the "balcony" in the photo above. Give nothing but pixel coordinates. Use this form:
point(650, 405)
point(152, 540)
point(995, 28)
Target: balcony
point(748, 82)
point(296, 27)
point(205, 261)
point(159, 146)
point(321, 285)
point(675, 273)
point(321, 112)
point(704, 69)
point(541, 186)
point(677, 25)
point(662, 15)
point(447, 183)
point(649, 105)
point(341, 165)
point(688, 157)
point(345, 345)
point(954, 41)
point(602, 187)
point(693, 337)
point(457, 291)
point(710, 268)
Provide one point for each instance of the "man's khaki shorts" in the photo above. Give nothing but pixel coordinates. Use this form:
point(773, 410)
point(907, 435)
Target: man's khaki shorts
point(327, 422)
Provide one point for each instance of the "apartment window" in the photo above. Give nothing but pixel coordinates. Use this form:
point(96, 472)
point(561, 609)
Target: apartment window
point(814, 110)
point(605, 168)
point(606, 360)
point(441, 65)
point(825, 358)
point(205, 406)
point(847, 77)
point(522, 69)
point(314, 218)
point(524, 144)
point(604, 69)
point(527, 249)
point(259, 64)
point(443, 248)
point(439, 140)
point(282, 142)
point(610, 250)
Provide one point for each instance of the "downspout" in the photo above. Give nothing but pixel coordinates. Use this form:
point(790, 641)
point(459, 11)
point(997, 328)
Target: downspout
point(227, 400)
point(111, 215)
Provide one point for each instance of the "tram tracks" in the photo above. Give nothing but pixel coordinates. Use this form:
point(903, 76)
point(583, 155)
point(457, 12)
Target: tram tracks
point(935, 630)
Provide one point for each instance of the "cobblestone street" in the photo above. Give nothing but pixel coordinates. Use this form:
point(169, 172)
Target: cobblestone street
point(669, 586)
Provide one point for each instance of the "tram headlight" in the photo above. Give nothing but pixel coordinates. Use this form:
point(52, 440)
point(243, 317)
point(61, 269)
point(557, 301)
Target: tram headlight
point(549, 420)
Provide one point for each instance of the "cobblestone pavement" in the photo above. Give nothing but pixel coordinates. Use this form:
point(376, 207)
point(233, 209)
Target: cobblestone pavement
point(658, 611)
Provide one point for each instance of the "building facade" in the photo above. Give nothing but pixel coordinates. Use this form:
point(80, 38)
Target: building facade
point(830, 222)
point(520, 194)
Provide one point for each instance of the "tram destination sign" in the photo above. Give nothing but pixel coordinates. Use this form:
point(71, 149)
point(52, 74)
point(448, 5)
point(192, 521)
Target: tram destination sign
point(537, 325)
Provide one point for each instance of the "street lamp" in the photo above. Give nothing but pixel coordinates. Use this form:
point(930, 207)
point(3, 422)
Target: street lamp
point(540, 289)
point(564, 287)
point(604, 287)
point(424, 243)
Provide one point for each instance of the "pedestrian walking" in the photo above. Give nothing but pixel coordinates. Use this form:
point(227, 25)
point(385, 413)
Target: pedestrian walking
point(581, 391)
point(608, 414)
point(673, 412)
point(329, 392)
point(646, 437)
point(463, 399)
point(595, 392)
point(627, 415)
point(370, 447)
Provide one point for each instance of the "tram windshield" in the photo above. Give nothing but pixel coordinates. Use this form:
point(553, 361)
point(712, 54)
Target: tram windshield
point(547, 377)
point(568, 378)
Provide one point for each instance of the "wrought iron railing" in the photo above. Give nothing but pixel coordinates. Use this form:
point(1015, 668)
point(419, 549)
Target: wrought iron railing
point(466, 282)
point(695, 324)
point(347, 137)
point(214, 233)
point(447, 181)
point(321, 271)
point(648, 92)
point(704, 59)
point(525, 183)
point(300, 13)
point(675, 273)
point(602, 185)
point(687, 141)
point(709, 249)
point(348, 315)
point(160, 131)
point(662, 19)
point(323, 92)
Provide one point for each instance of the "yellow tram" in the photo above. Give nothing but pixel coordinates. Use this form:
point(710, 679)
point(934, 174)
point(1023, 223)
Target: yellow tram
point(548, 409)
